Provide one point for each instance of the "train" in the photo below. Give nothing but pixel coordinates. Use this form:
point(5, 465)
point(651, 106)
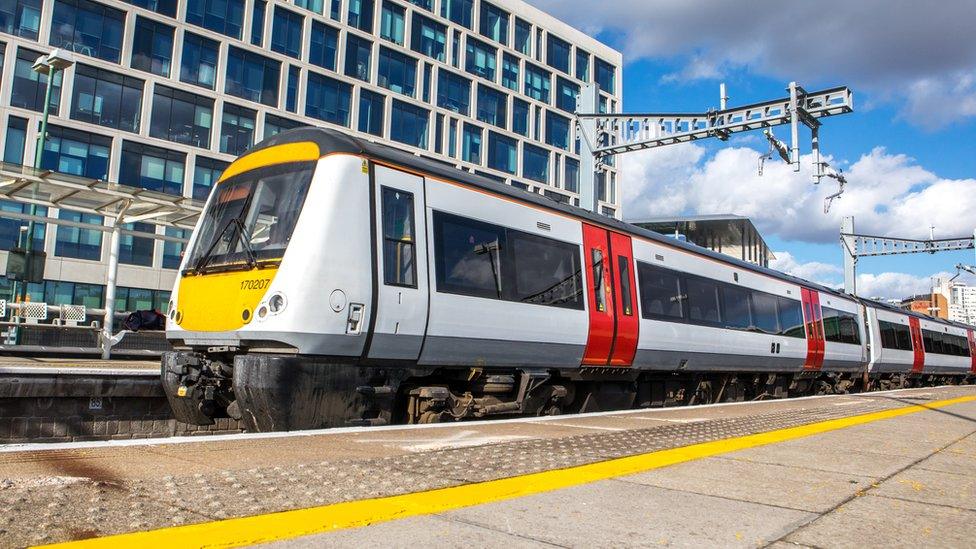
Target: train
point(332, 281)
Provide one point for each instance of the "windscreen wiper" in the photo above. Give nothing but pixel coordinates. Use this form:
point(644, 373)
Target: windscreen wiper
point(245, 239)
point(205, 258)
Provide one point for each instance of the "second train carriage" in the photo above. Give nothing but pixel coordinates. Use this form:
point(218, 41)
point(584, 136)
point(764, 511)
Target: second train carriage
point(334, 281)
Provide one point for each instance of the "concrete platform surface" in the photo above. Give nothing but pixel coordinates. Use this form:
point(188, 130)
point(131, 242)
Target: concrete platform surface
point(896, 480)
point(74, 366)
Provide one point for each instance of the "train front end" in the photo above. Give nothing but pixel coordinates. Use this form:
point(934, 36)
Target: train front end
point(260, 289)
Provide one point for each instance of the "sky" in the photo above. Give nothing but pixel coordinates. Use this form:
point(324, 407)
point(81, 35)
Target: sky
point(908, 151)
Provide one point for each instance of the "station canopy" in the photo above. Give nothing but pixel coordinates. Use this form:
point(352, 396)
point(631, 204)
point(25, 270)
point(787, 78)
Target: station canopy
point(28, 185)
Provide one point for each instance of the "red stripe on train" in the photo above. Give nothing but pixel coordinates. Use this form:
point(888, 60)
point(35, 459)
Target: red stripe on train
point(972, 350)
point(917, 344)
point(813, 324)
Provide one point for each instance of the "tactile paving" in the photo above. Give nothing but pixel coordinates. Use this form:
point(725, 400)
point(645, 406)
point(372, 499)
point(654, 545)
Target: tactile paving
point(61, 508)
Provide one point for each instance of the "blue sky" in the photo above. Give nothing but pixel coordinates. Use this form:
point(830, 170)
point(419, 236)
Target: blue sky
point(908, 150)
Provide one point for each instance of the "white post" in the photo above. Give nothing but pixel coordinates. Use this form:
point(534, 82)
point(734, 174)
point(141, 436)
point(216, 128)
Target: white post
point(850, 261)
point(588, 103)
point(723, 96)
point(794, 127)
point(113, 271)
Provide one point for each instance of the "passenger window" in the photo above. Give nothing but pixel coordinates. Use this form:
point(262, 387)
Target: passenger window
point(547, 272)
point(469, 256)
point(790, 318)
point(703, 301)
point(625, 297)
point(660, 293)
point(598, 291)
point(399, 247)
point(764, 313)
point(737, 313)
point(904, 336)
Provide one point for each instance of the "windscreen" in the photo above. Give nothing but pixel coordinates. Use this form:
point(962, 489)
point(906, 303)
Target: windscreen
point(251, 217)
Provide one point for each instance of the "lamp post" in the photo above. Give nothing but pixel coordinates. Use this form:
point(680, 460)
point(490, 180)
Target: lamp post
point(49, 65)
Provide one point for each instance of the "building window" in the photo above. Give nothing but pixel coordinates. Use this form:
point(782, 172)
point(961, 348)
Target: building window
point(606, 76)
point(358, 52)
point(535, 163)
point(257, 21)
point(558, 54)
point(510, 72)
point(273, 125)
point(291, 96)
point(453, 92)
point(428, 76)
point(20, 18)
point(502, 153)
point(29, 86)
point(181, 117)
point(557, 130)
point(335, 11)
point(429, 38)
point(409, 124)
point(152, 168)
point(206, 173)
point(325, 40)
point(572, 176)
point(520, 117)
point(361, 15)
point(10, 235)
point(88, 28)
point(458, 11)
point(537, 83)
point(173, 251)
point(566, 94)
point(371, 110)
point(137, 250)
point(152, 46)
point(76, 152)
point(492, 106)
point(199, 63)
point(253, 77)
point(223, 16)
point(480, 59)
point(392, 23)
point(523, 37)
point(328, 99)
point(286, 33)
point(107, 99)
point(164, 7)
point(494, 23)
point(397, 72)
point(236, 129)
point(311, 5)
point(76, 242)
point(471, 144)
point(139, 299)
point(399, 255)
point(426, 4)
point(16, 141)
point(582, 65)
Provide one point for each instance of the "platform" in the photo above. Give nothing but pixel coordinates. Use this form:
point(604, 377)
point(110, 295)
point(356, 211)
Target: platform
point(896, 468)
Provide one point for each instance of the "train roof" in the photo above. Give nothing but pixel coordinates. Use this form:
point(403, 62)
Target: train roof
point(889, 307)
point(336, 141)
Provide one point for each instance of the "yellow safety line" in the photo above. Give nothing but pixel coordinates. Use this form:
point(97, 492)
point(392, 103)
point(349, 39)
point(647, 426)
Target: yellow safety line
point(292, 524)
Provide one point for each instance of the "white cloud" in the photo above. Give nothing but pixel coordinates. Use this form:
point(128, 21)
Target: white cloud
point(919, 53)
point(814, 271)
point(888, 194)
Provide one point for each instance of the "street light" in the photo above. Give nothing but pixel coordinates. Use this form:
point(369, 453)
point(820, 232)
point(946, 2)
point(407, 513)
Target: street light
point(48, 65)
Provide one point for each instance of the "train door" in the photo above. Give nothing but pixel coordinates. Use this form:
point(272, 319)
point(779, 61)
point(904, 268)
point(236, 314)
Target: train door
point(611, 296)
point(400, 310)
point(972, 350)
point(813, 322)
point(918, 344)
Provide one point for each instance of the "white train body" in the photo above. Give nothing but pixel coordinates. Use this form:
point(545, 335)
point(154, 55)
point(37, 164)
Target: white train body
point(395, 261)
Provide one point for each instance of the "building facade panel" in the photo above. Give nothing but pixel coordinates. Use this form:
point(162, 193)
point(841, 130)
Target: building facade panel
point(164, 94)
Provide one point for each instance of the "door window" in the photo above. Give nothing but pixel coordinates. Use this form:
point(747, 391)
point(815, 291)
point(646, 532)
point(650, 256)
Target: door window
point(601, 303)
point(399, 246)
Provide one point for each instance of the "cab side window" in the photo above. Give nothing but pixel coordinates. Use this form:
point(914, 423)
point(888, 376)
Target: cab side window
point(399, 241)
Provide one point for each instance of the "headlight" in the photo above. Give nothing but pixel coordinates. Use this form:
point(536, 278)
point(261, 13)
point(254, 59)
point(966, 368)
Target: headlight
point(277, 303)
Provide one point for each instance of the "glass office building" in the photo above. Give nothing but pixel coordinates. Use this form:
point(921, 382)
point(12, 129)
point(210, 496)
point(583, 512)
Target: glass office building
point(165, 93)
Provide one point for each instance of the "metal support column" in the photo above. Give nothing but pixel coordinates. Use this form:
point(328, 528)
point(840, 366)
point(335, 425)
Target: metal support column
point(795, 126)
point(588, 103)
point(113, 271)
point(850, 260)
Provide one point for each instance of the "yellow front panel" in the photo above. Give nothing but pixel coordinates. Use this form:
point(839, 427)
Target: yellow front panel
point(221, 302)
